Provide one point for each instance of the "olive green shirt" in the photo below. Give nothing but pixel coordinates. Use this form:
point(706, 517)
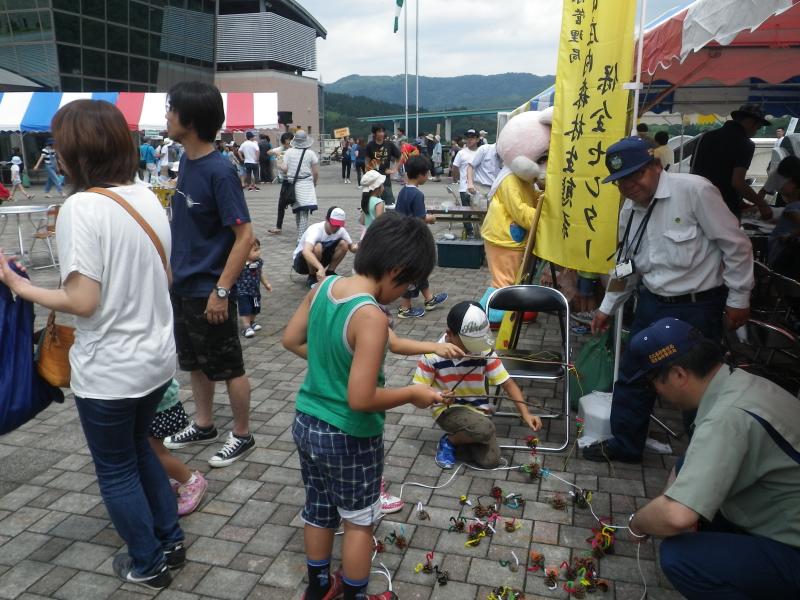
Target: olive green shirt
point(744, 457)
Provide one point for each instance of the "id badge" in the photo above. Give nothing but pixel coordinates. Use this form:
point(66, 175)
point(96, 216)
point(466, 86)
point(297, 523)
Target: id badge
point(624, 269)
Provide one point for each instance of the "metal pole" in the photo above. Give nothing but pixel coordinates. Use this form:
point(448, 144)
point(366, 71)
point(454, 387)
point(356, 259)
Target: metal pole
point(416, 70)
point(405, 58)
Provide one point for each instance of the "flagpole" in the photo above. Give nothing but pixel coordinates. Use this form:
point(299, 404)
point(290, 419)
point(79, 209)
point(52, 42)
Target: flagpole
point(416, 70)
point(405, 56)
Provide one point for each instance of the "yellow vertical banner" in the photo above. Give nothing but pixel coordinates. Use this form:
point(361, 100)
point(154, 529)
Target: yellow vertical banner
point(578, 226)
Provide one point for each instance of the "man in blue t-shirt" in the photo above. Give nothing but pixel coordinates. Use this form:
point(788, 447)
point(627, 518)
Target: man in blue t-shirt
point(211, 238)
point(147, 161)
point(411, 202)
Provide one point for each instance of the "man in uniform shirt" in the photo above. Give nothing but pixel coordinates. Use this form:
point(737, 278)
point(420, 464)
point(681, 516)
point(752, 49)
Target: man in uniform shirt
point(723, 157)
point(483, 168)
point(739, 480)
point(687, 257)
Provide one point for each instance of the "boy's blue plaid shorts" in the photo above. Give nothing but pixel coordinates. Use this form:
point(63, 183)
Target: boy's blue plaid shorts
point(340, 472)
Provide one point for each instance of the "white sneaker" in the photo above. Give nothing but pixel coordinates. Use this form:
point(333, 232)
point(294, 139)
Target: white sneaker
point(389, 503)
point(248, 332)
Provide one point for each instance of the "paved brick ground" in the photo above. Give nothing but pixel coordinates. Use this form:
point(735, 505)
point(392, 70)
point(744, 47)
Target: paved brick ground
point(56, 540)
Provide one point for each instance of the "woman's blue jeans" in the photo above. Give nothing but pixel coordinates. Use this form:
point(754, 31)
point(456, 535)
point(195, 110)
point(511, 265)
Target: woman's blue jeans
point(52, 180)
point(132, 481)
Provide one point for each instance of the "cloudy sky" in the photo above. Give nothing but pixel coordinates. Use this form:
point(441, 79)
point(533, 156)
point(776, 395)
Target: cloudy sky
point(457, 37)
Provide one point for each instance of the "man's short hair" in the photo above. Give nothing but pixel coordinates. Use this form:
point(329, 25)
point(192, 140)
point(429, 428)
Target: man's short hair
point(662, 137)
point(377, 128)
point(249, 135)
point(199, 107)
point(286, 137)
point(416, 166)
point(642, 128)
point(396, 242)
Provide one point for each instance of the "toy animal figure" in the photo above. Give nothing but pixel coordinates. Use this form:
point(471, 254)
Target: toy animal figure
point(458, 524)
point(602, 541)
point(575, 589)
point(551, 578)
point(537, 561)
point(558, 502)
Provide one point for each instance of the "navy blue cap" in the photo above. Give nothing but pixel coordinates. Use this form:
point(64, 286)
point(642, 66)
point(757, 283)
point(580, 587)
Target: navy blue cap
point(627, 156)
point(660, 344)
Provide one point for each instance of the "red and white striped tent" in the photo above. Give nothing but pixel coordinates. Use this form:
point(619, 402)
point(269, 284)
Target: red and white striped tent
point(33, 111)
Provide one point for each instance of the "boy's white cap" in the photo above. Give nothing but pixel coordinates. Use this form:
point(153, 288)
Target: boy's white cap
point(337, 217)
point(16, 160)
point(372, 180)
point(468, 320)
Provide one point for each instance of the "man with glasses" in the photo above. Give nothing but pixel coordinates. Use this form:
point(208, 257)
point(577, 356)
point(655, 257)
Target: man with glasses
point(682, 250)
point(739, 482)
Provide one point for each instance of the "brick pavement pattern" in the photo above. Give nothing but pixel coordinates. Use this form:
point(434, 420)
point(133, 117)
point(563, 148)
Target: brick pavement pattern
point(246, 539)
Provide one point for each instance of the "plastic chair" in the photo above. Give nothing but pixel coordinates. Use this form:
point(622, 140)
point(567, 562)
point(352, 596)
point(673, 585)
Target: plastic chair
point(46, 230)
point(520, 364)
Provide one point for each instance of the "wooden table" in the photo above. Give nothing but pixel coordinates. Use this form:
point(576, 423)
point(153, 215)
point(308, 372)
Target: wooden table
point(458, 214)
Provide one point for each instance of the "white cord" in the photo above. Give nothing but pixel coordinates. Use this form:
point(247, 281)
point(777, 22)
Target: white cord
point(641, 573)
point(385, 572)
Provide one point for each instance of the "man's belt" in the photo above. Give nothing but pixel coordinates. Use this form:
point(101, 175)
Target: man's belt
point(689, 298)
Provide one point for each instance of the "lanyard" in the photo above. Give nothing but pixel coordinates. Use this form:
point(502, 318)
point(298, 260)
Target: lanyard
point(639, 233)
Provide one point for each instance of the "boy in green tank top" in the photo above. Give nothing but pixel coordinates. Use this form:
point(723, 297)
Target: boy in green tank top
point(338, 429)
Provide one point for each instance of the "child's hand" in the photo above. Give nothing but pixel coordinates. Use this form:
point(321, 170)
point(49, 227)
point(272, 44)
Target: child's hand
point(532, 421)
point(267, 286)
point(423, 396)
point(448, 398)
point(448, 350)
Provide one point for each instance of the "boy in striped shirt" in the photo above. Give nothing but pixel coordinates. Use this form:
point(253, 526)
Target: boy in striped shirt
point(466, 420)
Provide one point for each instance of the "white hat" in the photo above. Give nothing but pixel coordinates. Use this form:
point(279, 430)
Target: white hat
point(372, 180)
point(468, 320)
point(302, 140)
point(483, 132)
point(16, 160)
point(166, 142)
point(337, 217)
point(430, 137)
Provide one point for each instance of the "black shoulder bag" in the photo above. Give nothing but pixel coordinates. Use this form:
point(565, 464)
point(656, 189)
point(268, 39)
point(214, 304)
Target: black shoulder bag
point(287, 197)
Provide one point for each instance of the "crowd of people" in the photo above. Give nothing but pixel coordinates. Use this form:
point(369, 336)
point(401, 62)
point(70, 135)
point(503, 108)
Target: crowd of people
point(681, 252)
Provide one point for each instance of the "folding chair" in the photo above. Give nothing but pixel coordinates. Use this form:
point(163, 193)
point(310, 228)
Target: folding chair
point(768, 350)
point(788, 292)
point(520, 364)
point(46, 230)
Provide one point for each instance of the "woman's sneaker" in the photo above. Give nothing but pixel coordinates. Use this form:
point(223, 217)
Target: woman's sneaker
point(191, 493)
point(191, 434)
point(255, 326)
point(233, 449)
point(435, 301)
point(389, 503)
point(410, 313)
point(248, 332)
point(123, 567)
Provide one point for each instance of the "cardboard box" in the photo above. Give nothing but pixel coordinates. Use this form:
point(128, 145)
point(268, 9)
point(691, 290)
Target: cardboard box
point(460, 254)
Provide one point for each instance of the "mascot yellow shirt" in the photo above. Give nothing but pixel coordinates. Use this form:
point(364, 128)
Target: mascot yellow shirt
point(510, 214)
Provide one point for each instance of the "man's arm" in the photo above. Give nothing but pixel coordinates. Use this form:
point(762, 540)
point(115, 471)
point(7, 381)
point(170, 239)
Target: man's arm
point(217, 308)
point(470, 178)
point(664, 517)
point(739, 183)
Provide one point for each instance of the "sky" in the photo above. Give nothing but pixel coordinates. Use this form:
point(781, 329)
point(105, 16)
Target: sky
point(457, 37)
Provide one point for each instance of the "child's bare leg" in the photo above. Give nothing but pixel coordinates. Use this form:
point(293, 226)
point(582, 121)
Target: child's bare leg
point(357, 547)
point(426, 294)
point(405, 302)
point(171, 463)
point(245, 321)
point(318, 542)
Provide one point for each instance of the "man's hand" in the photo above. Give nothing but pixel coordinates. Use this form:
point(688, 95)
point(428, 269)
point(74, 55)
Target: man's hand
point(430, 219)
point(448, 350)
point(390, 171)
point(532, 421)
point(423, 396)
point(736, 317)
point(599, 322)
point(320, 274)
point(353, 247)
point(765, 211)
point(216, 309)
point(471, 189)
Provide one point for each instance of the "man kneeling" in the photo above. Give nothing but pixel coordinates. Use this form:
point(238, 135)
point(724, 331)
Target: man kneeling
point(323, 247)
point(739, 482)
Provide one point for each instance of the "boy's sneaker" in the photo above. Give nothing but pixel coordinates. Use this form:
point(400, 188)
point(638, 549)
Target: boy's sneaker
point(191, 493)
point(387, 595)
point(176, 556)
point(410, 313)
point(255, 326)
point(336, 589)
point(191, 434)
point(435, 301)
point(123, 567)
point(233, 449)
point(389, 503)
point(445, 453)
point(248, 332)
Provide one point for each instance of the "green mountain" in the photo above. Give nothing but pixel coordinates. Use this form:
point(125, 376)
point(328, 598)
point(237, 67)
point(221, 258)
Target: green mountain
point(438, 93)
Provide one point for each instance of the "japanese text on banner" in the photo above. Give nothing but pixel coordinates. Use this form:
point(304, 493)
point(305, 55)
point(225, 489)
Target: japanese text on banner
point(578, 226)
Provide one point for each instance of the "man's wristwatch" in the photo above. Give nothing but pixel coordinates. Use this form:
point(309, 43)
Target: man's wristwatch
point(222, 292)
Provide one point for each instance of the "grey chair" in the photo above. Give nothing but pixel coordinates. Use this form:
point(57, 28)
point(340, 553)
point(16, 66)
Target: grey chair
point(524, 365)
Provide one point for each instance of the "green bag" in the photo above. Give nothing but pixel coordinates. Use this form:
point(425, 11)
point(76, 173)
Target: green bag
point(26, 181)
point(594, 368)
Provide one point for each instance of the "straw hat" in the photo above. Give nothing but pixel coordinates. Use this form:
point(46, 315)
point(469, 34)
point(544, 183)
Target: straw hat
point(372, 180)
point(302, 140)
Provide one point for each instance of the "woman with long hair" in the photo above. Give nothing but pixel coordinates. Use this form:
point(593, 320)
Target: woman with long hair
point(123, 359)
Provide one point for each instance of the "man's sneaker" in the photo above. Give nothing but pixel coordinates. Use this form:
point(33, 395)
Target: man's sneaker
point(255, 326)
point(191, 434)
point(604, 452)
point(445, 453)
point(410, 313)
point(389, 503)
point(248, 332)
point(123, 567)
point(435, 301)
point(311, 281)
point(336, 589)
point(176, 556)
point(233, 449)
point(191, 493)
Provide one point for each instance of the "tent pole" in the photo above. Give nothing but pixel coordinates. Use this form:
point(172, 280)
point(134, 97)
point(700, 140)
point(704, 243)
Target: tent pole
point(22, 151)
point(680, 156)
